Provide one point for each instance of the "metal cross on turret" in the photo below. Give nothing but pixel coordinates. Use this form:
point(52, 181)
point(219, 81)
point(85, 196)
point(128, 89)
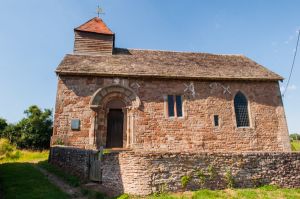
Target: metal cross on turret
point(99, 11)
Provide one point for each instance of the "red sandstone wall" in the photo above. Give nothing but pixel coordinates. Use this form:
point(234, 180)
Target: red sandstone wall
point(148, 173)
point(153, 130)
point(143, 173)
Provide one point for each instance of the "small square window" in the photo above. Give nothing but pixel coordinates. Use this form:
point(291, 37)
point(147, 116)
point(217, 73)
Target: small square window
point(216, 120)
point(75, 124)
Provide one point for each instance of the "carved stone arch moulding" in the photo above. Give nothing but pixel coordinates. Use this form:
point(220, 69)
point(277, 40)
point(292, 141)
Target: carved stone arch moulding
point(103, 95)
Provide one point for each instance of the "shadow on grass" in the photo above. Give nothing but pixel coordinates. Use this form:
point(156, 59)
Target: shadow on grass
point(22, 180)
point(69, 179)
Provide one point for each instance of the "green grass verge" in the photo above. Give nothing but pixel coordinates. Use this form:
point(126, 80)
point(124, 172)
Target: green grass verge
point(70, 179)
point(28, 156)
point(265, 192)
point(295, 145)
point(22, 180)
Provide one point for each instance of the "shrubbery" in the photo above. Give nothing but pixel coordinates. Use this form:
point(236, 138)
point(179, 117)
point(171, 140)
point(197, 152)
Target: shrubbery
point(32, 132)
point(7, 150)
point(295, 136)
point(3, 124)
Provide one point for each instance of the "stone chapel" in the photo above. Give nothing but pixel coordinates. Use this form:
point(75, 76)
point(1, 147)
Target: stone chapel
point(153, 100)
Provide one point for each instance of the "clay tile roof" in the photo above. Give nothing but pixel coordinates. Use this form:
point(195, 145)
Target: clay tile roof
point(95, 25)
point(166, 64)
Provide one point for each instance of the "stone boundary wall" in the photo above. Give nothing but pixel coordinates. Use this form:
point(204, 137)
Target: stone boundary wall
point(141, 173)
point(71, 160)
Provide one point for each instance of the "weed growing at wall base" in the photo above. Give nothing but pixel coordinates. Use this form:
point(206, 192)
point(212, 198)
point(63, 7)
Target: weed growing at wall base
point(229, 179)
point(184, 181)
point(212, 172)
point(201, 176)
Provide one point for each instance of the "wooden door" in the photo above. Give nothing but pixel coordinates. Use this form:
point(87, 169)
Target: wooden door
point(115, 128)
point(95, 167)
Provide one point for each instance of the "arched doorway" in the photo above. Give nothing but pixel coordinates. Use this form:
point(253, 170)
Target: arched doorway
point(115, 107)
point(116, 136)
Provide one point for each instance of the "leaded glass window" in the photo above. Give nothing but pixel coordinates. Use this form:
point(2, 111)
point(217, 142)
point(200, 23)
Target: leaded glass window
point(175, 106)
point(171, 106)
point(178, 105)
point(241, 110)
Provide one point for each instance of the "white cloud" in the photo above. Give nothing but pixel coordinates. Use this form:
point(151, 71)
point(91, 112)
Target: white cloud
point(291, 37)
point(292, 87)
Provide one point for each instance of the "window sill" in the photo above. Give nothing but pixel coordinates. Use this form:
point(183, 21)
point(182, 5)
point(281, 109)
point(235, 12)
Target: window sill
point(244, 128)
point(173, 118)
point(216, 129)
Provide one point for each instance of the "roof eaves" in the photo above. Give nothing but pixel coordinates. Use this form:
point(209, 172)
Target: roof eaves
point(76, 73)
point(98, 33)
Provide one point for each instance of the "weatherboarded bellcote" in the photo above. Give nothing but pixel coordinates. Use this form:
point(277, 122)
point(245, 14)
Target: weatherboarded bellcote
point(94, 38)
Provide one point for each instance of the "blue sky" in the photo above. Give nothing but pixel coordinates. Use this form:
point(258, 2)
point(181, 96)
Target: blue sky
point(35, 35)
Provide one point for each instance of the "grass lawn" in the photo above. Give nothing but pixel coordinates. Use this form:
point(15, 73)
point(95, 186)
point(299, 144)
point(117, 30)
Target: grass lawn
point(266, 192)
point(28, 156)
point(295, 145)
point(20, 179)
point(70, 179)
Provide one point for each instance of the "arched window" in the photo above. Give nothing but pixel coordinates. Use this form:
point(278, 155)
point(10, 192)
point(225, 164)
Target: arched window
point(241, 110)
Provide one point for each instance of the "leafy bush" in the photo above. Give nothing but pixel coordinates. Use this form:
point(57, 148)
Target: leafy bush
point(5, 147)
point(185, 180)
point(7, 150)
point(229, 179)
point(295, 136)
point(212, 172)
point(201, 176)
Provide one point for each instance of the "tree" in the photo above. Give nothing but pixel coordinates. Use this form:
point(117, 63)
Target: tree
point(3, 124)
point(32, 132)
point(35, 129)
point(11, 132)
point(295, 136)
